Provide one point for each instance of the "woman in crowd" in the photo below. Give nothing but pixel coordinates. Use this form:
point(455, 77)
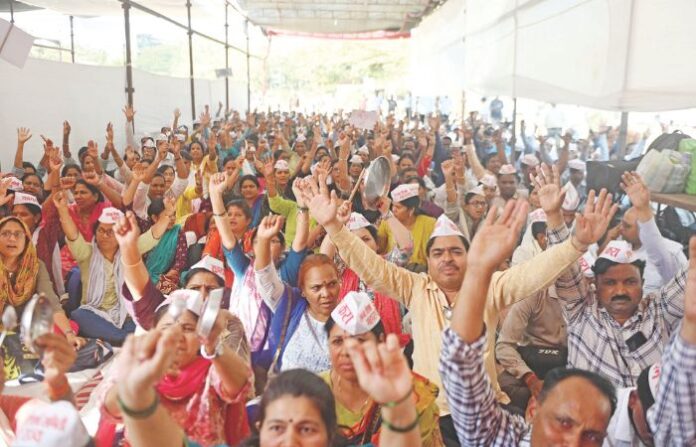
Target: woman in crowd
point(257, 202)
point(22, 275)
point(405, 208)
point(205, 386)
point(297, 408)
point(33, 185)
point(358, 415)
point(168, 258)
point(102, 312)
point(296, 338)
point(475, 208)
point(247, 303)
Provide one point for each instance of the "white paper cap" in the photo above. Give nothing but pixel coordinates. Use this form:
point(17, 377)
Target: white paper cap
point(300, 139)
point(43, 424)
point(530, 160)
point(192, 298)
point(161, 137)
point(403, 192)
point(355, 314)
point(445, 227)
point(21, 198)
point(15, 184)
point(620, 252)
point(477, 190)
point(507, 169)
point(110, 215)
point(586, 262)
point(357, 221)
point(281, 165)
point(538, 215)
point(363, 150)
point(572, 198)
point(356, 159)
point(211, 264)
point(489, 180)
point(577, 165)
point(149, 143)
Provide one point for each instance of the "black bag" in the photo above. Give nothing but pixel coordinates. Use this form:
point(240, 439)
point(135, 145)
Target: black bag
point(542, 359)
point(671, 227)
point(19, 360)
point(92, 354)
point(668, 141)
point(607, 174)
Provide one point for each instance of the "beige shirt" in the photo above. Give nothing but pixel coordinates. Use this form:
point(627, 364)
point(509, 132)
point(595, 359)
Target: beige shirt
point(426, 302)
point(536, 321)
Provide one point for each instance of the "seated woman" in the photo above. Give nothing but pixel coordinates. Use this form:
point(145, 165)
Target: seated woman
point(296, 337)
point(248, 303)
point(358, 415)
point(22, 275)
point(204, 389)
point(167, 260)
point(103, 313)
point(42, 222)
point(405, 208)
point(297, 408)
point(257, 202)
point(390, 311)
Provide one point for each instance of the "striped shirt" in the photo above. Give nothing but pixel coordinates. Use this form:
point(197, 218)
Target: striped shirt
point(597, 342)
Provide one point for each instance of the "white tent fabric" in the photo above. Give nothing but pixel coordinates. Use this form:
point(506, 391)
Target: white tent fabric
point(629, 55)
point(44, 94)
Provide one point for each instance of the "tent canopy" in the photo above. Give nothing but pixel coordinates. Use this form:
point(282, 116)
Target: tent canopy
point(627, 55)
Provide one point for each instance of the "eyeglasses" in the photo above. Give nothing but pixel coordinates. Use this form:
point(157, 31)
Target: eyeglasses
point(7, 234)
point(477, 203)
point(103, 232)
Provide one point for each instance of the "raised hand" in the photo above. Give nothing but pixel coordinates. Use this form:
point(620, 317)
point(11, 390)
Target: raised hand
point(217, 184)
point(23, 135)
point(58, 357)
point(66, 128)
point(139, 172)
point(315, 195)
point(177, 114)
point(144, 360)
point(60, 200)
point(4, 186)
point(495, 241)
point(93, 149)
point(343, 213)
point(593, 222)
point(636, 189)
point(110, 133)
point(67, 183)
point(296, 190)
point(382, 369)
point(126, 230)
point(129, 113)
point(547, 182)
point(91, 177)
point(270, 226)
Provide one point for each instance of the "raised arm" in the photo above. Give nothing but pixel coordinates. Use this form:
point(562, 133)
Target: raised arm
point(66, 221)
point(23, 135)
point(98, 180)
point(478, 418)
point(134, 270)
point(216, 188)
point(269, 227)
point(66, 140)
point(302, 223)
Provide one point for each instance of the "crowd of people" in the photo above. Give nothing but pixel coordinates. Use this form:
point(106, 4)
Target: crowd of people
point(487, 298)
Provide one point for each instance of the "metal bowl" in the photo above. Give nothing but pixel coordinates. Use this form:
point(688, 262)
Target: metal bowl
point(37, 320)
point(377, 181)
point(211, 309)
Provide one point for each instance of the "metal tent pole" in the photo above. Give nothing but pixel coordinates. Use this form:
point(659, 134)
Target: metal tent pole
point(72, 39)
point(129, 69)
point(190, 39)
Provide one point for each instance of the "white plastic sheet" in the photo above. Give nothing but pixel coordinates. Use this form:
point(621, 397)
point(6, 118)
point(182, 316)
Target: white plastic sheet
point(44, 94)
point(633, 55)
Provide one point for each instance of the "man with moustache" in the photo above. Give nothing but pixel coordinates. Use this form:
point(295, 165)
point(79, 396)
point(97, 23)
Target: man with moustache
point(614, 330)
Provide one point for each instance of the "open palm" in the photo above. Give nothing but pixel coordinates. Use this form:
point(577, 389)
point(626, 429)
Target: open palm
point(381, 369)
point(636, 189)
point(548, 185)
point(497, 238)
point(321, 204)
point(593, 222)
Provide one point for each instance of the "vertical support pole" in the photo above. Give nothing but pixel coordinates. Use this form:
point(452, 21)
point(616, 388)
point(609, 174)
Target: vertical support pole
point(248, 58)
point(129, 68)
point(514, 126)
point(12, 11)
point(190, 39)
point(72, 39)
point(623, 132)
point(227, 59)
